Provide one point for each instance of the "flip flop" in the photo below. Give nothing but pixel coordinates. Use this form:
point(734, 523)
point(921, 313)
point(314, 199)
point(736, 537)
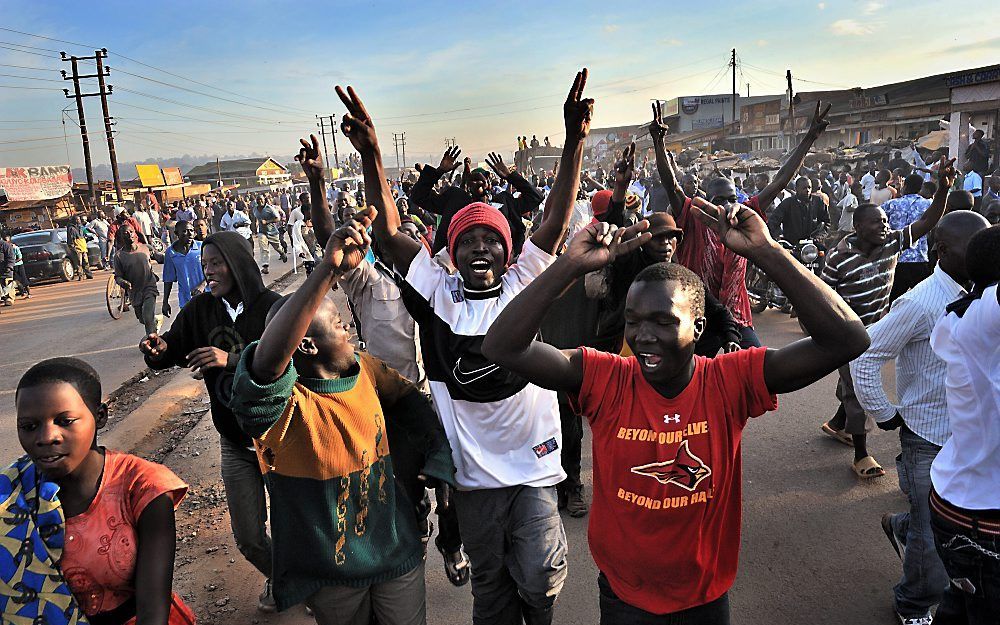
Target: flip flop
point(868, 468)
point(838, 435)
point(457, 570)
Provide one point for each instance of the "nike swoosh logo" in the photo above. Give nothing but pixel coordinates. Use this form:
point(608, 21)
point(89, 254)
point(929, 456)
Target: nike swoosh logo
point(468, 377)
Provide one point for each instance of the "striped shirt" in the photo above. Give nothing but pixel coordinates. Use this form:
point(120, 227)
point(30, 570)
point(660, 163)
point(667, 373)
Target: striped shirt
point(864, 280)
point(905, 335)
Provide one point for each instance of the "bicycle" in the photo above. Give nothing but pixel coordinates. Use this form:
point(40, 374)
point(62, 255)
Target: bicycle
point(116, 297)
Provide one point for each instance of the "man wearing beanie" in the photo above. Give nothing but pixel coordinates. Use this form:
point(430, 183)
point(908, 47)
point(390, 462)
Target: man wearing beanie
point(476, 189)
point(504, 432)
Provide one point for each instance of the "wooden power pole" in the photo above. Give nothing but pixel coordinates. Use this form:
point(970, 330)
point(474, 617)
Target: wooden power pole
point(88, 165)
point(105, 92)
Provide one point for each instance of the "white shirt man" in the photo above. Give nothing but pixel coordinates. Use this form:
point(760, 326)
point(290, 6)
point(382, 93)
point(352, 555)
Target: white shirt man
point(236, 221)
point(867, 185)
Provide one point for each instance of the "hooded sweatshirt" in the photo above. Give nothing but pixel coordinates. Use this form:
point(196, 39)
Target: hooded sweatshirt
point(205, 322)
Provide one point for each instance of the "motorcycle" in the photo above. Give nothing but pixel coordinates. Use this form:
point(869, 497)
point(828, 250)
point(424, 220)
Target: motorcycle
point(765, 294)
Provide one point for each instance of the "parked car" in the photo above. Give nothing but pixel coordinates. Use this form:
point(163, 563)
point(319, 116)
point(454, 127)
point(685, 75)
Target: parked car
point(45, 257)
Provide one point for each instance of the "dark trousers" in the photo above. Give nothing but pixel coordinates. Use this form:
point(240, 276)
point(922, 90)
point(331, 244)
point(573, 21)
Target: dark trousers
point(79, 261)
point(572, 432)
point(22, 278)
point(972, 559)
point(614, 611)
point(907, 276)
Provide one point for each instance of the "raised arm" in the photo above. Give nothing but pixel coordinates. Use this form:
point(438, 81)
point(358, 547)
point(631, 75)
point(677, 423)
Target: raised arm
point(315, 171)
point(946, 175)
point(423, 194)
point(665, 165)
point(344, 251)
point(530, 197)
point(357, 126)
point(511, 342)
point(785, 173)
point(577, 113)
point(836, 333)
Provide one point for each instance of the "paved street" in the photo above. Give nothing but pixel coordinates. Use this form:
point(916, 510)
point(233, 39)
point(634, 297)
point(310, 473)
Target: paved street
point(812, 547)
point(71, 319)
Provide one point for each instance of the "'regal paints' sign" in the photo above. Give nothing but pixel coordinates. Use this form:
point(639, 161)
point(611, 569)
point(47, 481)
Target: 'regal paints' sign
point(44, 182)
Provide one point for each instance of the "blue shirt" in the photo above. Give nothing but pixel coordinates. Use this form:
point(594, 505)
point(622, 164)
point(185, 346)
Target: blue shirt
point(902, 212)
point(184, 269)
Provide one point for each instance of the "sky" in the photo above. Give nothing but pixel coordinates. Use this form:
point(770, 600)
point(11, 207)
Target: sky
point(239, 78)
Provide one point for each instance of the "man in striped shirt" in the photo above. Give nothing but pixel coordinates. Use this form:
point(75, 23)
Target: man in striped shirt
point(860, 269)
point(922, 414)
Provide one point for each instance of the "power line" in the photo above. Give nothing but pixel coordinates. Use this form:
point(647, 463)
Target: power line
point(21, 45)
point(13, 49)
point(208, 110)
point(30, 78)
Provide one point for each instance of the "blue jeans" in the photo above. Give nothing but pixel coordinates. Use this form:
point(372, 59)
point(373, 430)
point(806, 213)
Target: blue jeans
point(972, 559)
point(614, 611)
point(924, 577)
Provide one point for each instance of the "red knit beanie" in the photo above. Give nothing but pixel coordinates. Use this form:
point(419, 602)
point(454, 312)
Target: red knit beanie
point(599, 203)
point(475, 215)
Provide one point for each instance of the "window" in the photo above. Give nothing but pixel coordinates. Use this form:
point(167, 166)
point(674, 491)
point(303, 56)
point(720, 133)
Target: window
point(33, 238)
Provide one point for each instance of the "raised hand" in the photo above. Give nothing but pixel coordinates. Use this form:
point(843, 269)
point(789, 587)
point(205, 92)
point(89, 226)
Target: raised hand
point(600, 243)
point(578, 111)
point(819, 121)
point(310, 159)
point(450, 159)
point(657, 129)
point(625, 167)
point(946, 173)
point(357, 124)
point(495, 161)
point(348, 244)
point(739, 228)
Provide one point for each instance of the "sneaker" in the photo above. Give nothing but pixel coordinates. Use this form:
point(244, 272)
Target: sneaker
point(265, 603)
point(898, 546)
point(575, 505)
point(926, 619)
point(263, 270)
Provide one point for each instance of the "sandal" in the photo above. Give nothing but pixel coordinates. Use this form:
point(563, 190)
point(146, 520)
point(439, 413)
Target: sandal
point(867, 468)
point(838, 435)
point(456, 566)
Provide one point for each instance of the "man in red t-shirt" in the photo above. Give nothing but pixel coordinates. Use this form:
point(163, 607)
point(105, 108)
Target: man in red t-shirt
point(665, 519)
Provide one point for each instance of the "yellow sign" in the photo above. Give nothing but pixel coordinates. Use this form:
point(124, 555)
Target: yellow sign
point(172, 175)
point(150, 175)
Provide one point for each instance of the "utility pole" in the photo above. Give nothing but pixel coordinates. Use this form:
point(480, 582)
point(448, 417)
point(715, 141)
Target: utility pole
point(733, 63)
point(218, 169)
point(399, 140)
point(83, 123)
point(791, 107)
point(101, 72)
point(748, 90)
point(322, 134)
point(333, 135)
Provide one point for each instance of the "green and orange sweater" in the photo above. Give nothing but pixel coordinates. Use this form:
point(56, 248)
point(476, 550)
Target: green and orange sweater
point(339, 513)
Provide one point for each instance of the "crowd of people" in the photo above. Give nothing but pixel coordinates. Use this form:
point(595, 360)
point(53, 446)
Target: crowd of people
point(495, 311)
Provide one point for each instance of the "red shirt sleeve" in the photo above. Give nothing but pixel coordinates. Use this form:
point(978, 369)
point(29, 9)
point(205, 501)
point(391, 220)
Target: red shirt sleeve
point(740, 376)
point(754, 203)
point(605, 377)
point(147, 481)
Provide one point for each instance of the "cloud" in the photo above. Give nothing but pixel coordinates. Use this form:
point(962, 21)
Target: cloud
point(762, 42)
point(671, 43)
point(872, 7)
point(821, 6)
point(849, 28)
point(975, 46)
point(611, 28)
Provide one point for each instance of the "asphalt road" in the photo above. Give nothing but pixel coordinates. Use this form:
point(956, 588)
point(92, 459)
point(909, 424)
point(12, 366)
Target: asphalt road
point(812, 552)
point(71, 319)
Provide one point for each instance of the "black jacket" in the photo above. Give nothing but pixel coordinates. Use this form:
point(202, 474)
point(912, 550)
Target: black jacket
point(794, 220)
point(453, 199)
point(204, 322)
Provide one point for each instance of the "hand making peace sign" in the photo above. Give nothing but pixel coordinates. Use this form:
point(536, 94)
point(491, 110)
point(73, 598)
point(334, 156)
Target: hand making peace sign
point(357, 124)
point(578, 111)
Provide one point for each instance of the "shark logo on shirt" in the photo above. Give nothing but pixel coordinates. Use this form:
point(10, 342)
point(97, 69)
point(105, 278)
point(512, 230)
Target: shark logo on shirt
point(685, 470)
